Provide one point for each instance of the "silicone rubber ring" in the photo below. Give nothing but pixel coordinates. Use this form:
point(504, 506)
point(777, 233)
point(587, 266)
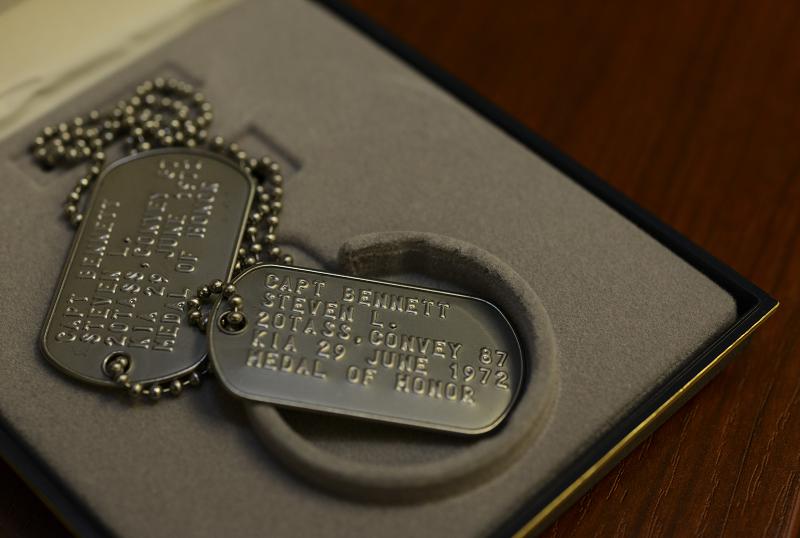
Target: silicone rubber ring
point(481, 273)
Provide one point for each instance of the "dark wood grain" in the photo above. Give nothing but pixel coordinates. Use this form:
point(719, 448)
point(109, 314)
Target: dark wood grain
point(692, 108)
point(21, 512)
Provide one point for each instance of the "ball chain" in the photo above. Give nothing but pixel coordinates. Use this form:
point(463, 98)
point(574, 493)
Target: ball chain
point(163, 113)
point(118, 367)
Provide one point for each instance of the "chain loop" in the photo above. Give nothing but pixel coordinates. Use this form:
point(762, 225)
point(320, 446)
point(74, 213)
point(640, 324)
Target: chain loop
point(232, 321)
point(118, 367)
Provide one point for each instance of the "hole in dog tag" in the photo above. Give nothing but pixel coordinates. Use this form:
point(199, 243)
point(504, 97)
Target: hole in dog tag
point(159, 224)
point(368, 349)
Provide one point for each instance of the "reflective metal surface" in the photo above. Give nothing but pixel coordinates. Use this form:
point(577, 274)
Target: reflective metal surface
point(159, 224)
point(368, 349)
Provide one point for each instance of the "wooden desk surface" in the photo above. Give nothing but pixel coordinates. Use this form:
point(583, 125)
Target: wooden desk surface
point(691, 108)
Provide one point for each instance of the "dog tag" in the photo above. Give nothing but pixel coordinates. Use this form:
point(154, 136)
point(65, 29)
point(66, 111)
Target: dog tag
point(368, 349)
point(158, 224)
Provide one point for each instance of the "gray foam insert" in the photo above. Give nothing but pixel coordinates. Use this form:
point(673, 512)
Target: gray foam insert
point(467, 462)
point(373, 147)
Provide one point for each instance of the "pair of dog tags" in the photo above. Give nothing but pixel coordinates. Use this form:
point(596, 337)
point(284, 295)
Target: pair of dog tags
point(162, 222)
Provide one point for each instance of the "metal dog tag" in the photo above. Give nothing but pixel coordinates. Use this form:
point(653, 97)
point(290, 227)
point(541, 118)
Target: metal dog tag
point(368, 349)
point(158, 224)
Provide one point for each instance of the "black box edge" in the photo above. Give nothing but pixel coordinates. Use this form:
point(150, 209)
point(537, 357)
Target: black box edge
point(753, 307)
point(753, 304)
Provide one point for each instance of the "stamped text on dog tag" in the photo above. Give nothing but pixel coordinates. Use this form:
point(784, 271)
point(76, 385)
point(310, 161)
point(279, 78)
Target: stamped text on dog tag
point(368, 349)
point(158, 224)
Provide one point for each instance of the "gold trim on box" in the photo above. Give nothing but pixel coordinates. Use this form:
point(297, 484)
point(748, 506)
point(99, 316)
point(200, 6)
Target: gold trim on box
point(535, 524)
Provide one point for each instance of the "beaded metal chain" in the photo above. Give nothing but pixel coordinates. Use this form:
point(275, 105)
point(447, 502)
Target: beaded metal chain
point(166, 113)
